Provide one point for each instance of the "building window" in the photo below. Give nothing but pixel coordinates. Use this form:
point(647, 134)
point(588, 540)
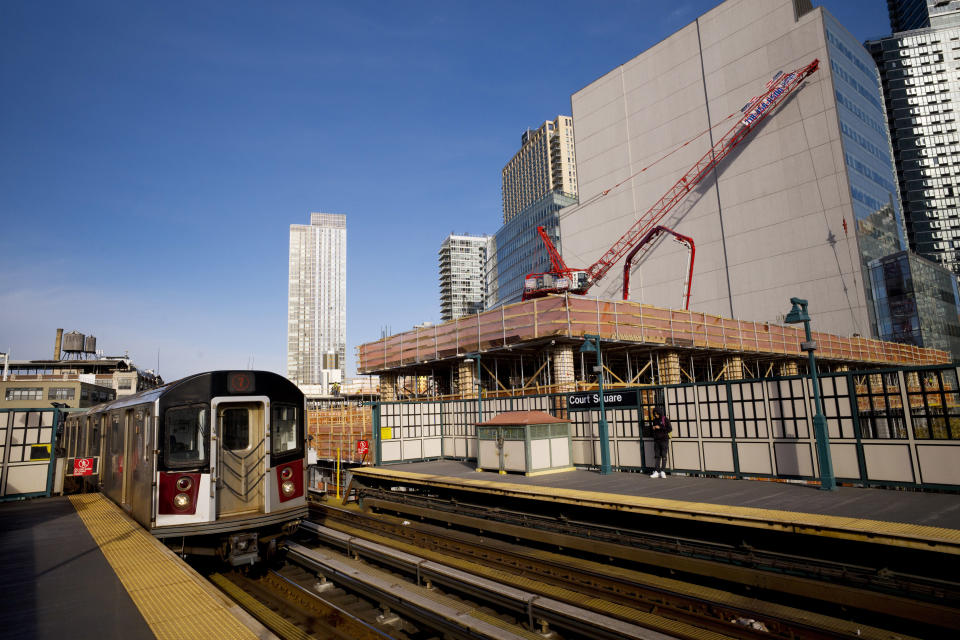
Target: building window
point(124, 383)
point(25, 393)
point(61, 393)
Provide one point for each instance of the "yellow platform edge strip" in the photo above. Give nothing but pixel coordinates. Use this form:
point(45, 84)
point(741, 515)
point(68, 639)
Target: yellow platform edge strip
point(878, 531)
point(260, 611)
point(173, 600)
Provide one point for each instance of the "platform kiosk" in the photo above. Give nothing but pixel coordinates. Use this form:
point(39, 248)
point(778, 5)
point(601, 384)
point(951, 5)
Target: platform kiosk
point(530, 442)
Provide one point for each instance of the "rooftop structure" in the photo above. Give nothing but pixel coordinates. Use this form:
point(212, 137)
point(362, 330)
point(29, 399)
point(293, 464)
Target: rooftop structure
point(117, 374)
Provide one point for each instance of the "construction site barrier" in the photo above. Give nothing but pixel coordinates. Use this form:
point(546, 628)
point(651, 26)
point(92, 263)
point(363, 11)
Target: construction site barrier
point(573, 316)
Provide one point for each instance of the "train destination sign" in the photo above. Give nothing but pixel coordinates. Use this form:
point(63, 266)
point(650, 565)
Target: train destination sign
point(611, 400)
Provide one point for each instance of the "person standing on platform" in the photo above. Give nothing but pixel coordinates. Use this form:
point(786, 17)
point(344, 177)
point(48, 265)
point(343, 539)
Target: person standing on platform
point(661, 443)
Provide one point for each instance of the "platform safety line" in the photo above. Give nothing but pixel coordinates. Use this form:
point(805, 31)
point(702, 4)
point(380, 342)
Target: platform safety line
point(260, 611)
point(175, 602)
point(861, 529)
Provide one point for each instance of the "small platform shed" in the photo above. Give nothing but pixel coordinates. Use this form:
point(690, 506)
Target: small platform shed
point(530, 442)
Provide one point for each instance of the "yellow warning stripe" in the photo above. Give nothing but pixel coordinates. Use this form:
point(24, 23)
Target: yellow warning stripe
point(280, 625)
point(877, 531)
point(174, 601)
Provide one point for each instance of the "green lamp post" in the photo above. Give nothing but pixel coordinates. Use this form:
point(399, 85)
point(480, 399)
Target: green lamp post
point(592, 344)
point(798, 313)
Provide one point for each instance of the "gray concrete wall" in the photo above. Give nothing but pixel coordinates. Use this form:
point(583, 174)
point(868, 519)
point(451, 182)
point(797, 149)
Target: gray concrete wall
point(762, 223)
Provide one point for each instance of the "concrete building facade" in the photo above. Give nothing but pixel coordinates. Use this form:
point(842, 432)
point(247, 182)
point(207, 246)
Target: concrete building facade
point(23, 394)
point(317, 301)
point(798, 209)
point(462, 260)
point(546, 162)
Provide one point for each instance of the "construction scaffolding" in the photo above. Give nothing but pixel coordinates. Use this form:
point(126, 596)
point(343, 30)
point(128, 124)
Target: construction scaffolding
point(334, 432)
point(624, 322)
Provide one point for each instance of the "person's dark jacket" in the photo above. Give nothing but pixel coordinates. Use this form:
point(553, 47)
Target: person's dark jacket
point(663, 433)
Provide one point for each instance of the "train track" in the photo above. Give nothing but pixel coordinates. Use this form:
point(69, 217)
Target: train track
point(609, 576)
point(319, 593)
point(875, 588)
point(429, 574)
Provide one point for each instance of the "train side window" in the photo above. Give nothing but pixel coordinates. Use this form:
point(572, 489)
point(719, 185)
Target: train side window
point(146, 435)
point(283, 429)
point(116, 440)
point(185, 435)
point(93, 442)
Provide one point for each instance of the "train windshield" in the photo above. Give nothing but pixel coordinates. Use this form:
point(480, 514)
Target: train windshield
point(283, 429)
point(186, 435)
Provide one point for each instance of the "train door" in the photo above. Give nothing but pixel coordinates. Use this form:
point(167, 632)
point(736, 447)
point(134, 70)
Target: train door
point(240, 458)
point(128, 459)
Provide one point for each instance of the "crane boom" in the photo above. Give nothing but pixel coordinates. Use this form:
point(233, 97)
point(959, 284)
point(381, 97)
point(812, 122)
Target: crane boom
point(754, 112)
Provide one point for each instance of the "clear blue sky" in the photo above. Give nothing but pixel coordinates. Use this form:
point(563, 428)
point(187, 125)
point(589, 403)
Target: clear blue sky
point(153, 155)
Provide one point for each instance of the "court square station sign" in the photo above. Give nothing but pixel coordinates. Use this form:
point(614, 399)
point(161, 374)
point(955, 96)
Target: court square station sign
point(611, 400)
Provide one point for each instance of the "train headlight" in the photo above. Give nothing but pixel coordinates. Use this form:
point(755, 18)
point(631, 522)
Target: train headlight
point(181, 501)
point(288, 488)
point(286, 474)
point(184, 483)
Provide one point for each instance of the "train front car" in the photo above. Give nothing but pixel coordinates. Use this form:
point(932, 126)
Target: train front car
point(231, 461)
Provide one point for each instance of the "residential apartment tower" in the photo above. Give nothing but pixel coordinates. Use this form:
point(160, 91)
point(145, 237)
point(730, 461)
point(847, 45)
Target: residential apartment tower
point(317, 302)
point(462, 280)
point(545, 162)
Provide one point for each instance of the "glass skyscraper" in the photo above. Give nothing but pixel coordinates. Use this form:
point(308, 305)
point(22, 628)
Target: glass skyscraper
point(921, 77)
point(519, 248)
point(906, 15)
point(317, 301)
point(866, 150)
point(916, 302)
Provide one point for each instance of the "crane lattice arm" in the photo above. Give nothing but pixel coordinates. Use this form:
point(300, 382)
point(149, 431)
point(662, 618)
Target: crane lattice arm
point(556, 260)
point(560, 280)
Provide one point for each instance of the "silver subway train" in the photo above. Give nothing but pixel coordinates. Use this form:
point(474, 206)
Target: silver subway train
point(213, 463)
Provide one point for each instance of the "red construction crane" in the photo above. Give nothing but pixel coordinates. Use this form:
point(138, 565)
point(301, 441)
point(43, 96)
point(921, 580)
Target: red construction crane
point(562, 279)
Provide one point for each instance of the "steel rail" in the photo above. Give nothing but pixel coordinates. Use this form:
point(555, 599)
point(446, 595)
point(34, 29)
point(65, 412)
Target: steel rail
point(834, 595)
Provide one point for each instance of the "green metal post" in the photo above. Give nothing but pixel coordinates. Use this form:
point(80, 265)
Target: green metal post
point(799, 314)
point(604, 428)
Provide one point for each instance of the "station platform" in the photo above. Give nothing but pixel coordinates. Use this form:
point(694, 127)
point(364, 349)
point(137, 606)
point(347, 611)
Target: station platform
point(919, 520)
point(78, 567)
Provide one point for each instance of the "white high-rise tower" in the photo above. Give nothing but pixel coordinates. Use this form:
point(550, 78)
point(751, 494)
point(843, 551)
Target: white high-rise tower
point(317, 301)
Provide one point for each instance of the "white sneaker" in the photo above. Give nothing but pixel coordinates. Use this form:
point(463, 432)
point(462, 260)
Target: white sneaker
point(663, 474)
point(655, 474)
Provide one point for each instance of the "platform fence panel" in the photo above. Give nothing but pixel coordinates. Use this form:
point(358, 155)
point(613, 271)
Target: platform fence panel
point(897, 427)
point(27, 452)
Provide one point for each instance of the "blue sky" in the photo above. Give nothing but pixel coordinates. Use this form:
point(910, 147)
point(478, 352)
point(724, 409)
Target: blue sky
point(153, 155)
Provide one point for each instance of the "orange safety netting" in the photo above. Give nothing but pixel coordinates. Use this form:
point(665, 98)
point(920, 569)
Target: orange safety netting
point(340, 428)
point(624, 321)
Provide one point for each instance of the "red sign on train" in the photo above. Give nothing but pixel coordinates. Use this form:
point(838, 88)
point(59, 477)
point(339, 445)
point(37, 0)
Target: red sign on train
point(83, 466)
point(362, 447)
